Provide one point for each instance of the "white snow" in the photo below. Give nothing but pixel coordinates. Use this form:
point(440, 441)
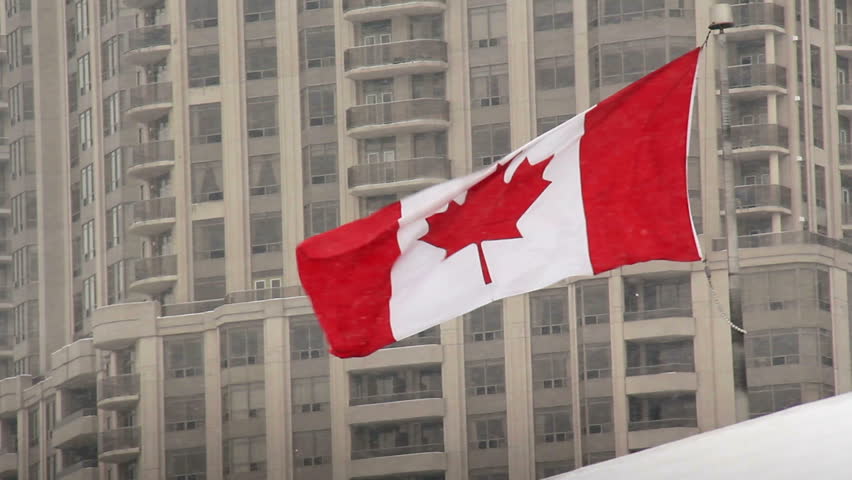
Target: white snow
point(811, 441)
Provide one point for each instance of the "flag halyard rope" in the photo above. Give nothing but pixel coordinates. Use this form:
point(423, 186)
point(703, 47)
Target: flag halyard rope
point(718, 303)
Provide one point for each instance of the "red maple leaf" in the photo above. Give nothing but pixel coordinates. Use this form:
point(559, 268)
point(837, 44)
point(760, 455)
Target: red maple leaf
point(490, 211)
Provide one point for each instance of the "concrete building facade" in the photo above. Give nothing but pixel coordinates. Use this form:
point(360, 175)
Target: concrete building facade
point(154, 327)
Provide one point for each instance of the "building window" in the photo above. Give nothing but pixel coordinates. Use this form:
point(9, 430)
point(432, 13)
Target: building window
point(205, 123)
point(312, 448)
point(307, 341)
point(321, 217)
point(316, 47)
point(489, 85)
point(89, 240)
point(264, 172)
point(243, 401)
point(21, 102)
point(318, 106)
point(87, 184)
point(114, 170)
point(488, 431)
point(86, 137)
point(20, 47)
point(82, 19)
point(552, 15)
point(261, 58)
point(595, 361)
point(485, 378)
point(116, 282)
point(428, 85)
point(208, 238)
point(548, 310)
point(555, 72)
point(203, 66)
point(115, 225)
point(207, 181)
point(485, 323)
point(553, 425)
point(545, 124)
point(110, 57)
point(596, 415)
point(550, 370)
point(242, 455)
point(262, 116)
point(260, 10)
point(320, 164)
point(184, 357)
point(313, 4)
point(487, 26)
point(90, 301)
point(789, 346)
point(188, 464)
point(33, 432)
point(310, 394)
point(112, 114)
point(108, 10)
point(490, 143)
point(654, 357)
point(774, 398)
point(84, 74)
point(202, 14)
point(242, 346)
point(265, 232)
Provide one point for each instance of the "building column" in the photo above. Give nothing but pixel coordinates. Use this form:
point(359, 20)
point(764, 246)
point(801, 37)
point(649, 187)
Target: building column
point(149, 365)
point(279, 448)
point(840, 335)
point(519, 402)
point(704, 313)
point(620, 418)
point(453, 380)
point(213, 404)
point(521, 75)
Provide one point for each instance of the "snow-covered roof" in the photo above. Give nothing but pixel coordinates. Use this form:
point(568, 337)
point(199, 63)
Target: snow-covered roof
point(811, 441)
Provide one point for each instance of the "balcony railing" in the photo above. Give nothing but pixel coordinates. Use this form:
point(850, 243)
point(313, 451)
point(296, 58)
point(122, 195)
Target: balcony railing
point(427, 337)
point(846, 213)
point(399, 111)
point(658, 313)
point(126, 385)
point(394, 53)
point(91, 463)
point(395, 397)
point(154, 209)
point(147, 37)
point(119, 439)
point(844, 151)
point(783, 238)
point(389, 451)
point(151, 267)
point(150, 94)
point(661, 368)
point(349, 5)
point(398, 171)
point(759, 135)
point(843, 35)
point(151, 152)
point(844, 94)
point(758, 14)
point(757, 75)
point(189, 308)
point(663, 423)
point(83, 412)
point(264, 294)
point(754, 196)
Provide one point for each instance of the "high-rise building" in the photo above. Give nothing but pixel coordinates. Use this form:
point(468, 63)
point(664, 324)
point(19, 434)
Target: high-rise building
point(151, 320)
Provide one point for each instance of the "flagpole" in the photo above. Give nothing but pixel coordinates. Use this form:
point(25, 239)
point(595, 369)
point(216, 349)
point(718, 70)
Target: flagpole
point(722, 18)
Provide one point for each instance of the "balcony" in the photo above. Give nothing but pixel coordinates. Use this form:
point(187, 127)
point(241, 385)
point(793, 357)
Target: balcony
point(189, 308)
point(843, 39)
point(153, 275)
point(264, 294)
point(84, 470)
point(760, 199)
point(118, 392)
point(846, 215)
point(396, 118)
point(755, 80)
point(149, 102)
point(384, 60)
point(118, 326)
point(4, 50)
point(844, 153)
point(74, 365)
point(779, 239)
point(5, 252)
point(151, 160)
point(140, 4)
point(755, 141)
point(119, 445)
point(153, 216)
point(397, 176)
point(77, 429)
point(147, 45)
point(753, 19)
point(369, 10)
point(8, 461)
point(844, 97)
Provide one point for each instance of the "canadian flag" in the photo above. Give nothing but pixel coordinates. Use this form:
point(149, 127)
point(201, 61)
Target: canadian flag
point(605, 189)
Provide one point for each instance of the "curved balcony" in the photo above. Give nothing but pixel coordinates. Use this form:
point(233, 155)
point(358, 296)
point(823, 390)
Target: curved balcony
point(118, 392)
point(754, 19)
point(243, 296)
point(119, 445)
point(755, 80)
point(369, 10)
point(843, 39)
point(149, 102)
point(118, 326)
point(755, 141)
point(153, 275)
point(760, 199)
point(77, 429)
point(651, 433)
point(74, 365)
point(147, 45)
point(400, 117)
point(396, 176)
point(410, 405)
point(140, 4)
point(667, 322)
point(8, 461)
point(151, 160)
point(384, 60)
point(661, 379)
point(153, 216)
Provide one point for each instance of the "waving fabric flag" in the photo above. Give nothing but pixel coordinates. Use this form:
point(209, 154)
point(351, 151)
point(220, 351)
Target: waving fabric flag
point(605, 189)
